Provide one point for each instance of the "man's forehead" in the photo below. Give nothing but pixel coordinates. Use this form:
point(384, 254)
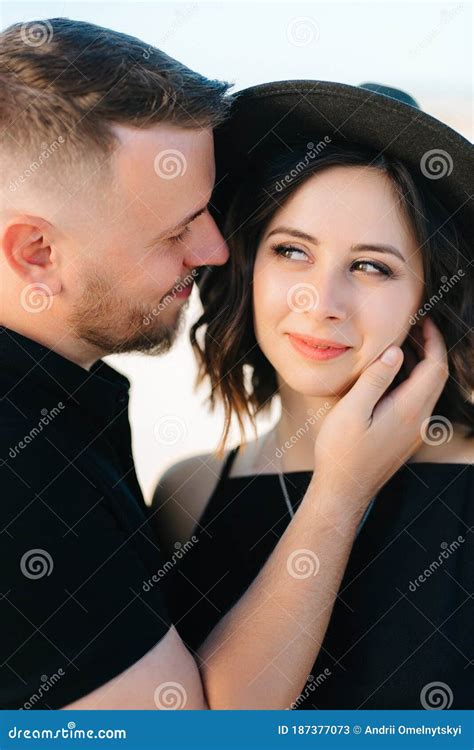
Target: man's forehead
point(156, 181)
point(133, 142)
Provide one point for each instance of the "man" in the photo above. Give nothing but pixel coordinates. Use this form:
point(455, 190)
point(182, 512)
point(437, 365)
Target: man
point(107, 172)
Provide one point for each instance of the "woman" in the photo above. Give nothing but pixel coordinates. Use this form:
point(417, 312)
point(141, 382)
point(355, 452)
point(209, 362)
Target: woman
point(336, 251)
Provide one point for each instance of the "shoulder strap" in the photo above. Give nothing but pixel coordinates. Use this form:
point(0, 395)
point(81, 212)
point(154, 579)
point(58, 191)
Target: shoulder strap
point(215, 494)
point(228, 464)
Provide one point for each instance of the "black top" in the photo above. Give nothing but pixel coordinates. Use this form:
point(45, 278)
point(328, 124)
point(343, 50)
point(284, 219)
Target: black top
point(392, 633)
point(76, 546)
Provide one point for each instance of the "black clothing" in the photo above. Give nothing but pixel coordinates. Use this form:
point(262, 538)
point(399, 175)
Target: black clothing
point(76, 543)
point(390, 634)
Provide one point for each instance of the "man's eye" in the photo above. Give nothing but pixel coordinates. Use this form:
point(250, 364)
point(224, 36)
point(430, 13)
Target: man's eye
point(180, 237)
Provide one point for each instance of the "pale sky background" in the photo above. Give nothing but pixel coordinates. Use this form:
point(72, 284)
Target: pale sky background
point(422, 47)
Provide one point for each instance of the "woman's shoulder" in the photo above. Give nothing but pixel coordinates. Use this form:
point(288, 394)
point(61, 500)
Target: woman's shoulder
point(182, 493)
point(446, 446)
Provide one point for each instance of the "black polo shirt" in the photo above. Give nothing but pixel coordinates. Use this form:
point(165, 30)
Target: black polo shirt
point(76, 546)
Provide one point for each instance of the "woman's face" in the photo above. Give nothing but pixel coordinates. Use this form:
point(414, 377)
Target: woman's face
point(321, 272)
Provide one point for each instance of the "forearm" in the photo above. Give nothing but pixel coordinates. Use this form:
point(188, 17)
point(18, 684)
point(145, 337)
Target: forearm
point(260, 654)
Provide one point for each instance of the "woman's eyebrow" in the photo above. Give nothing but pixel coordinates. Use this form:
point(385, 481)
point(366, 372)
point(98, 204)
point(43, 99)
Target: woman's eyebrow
point(372, 247)
point(294, 232)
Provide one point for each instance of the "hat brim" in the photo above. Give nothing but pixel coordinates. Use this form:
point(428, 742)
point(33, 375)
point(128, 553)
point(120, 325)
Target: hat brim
point(273, 117)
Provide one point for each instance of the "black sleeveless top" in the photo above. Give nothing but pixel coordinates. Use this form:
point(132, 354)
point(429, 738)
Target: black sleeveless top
point(401, 634)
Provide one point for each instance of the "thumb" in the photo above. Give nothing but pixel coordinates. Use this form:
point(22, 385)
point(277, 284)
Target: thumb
point(374, 380)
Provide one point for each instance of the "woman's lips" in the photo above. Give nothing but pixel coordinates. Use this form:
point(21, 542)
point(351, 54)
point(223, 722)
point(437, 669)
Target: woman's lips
point(312, 352)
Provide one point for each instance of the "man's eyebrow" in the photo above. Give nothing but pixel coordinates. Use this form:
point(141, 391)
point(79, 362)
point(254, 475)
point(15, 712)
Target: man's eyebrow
point(374, 248)
point(183, 223)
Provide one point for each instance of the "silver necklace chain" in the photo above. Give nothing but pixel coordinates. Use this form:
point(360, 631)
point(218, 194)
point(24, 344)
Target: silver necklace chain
point(285, 494)
point(286, 497)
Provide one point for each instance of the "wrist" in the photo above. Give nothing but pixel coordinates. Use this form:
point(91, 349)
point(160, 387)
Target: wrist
point(343, 508)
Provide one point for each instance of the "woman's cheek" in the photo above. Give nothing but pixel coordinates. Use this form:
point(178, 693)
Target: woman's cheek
point(270, 301)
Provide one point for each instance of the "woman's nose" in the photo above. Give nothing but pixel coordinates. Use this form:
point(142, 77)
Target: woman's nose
point(322, 295)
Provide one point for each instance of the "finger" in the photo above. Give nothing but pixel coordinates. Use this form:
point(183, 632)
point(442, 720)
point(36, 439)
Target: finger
point(428, 378)
point(374, 381)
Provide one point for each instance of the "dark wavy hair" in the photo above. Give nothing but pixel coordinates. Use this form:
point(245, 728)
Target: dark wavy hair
point(223, 338)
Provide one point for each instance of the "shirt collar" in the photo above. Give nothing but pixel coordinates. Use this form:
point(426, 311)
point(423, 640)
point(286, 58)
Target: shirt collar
point(29, 369)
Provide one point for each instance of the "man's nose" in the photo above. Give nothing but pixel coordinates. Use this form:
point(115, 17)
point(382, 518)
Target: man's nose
point(209, 247)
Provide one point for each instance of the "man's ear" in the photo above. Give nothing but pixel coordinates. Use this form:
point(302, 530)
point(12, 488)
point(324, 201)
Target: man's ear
point(26, 245)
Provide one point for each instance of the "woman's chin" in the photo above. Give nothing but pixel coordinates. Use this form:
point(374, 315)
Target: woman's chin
point(325, 389)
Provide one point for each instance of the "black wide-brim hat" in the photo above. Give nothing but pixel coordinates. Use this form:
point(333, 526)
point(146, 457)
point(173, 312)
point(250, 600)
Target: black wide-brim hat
point(272, 118)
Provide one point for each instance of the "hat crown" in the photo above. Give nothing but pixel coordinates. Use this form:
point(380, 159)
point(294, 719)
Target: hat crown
point(392, 92)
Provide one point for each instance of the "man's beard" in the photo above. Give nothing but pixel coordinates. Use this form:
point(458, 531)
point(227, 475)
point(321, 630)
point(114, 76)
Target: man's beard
point(114, 324)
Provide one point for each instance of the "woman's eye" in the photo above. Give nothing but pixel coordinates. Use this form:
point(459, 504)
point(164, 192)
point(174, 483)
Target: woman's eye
point(180, 237)
point(372, 264)
point(290, 252)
